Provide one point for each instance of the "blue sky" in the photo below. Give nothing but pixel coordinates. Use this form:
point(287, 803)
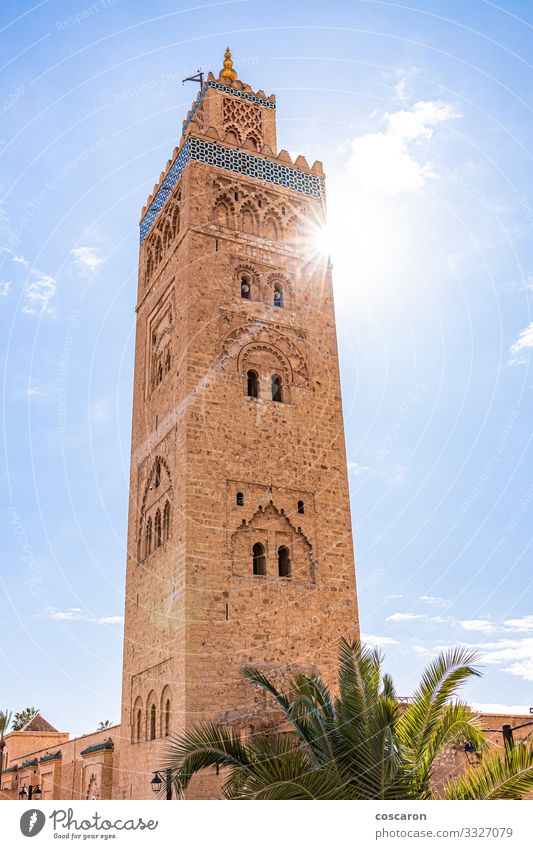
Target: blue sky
point(421, 114)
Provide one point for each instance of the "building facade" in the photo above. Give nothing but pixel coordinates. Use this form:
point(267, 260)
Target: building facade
point(239, 538)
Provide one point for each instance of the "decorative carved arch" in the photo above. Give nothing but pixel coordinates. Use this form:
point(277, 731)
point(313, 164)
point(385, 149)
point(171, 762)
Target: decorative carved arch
point(267, 516)
point(243, 336)
point(224, 211)
point(248, 350)
point(233, 135)
point(271, 226)
point(159, 463)
point(249, 219)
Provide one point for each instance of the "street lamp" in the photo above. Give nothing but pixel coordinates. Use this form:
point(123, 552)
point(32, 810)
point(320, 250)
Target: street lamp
point(157, 782)
point(33, 791)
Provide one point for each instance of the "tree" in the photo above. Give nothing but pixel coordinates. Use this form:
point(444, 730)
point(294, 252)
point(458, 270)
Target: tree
point(362, 744)
point(105, 723)
point(5, 719)
point(24, 716)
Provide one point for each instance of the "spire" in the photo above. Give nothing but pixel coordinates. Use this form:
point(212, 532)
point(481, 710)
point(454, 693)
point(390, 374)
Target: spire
point(227, 71)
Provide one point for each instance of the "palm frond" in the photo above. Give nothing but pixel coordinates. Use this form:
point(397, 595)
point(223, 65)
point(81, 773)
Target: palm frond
point(501, 775)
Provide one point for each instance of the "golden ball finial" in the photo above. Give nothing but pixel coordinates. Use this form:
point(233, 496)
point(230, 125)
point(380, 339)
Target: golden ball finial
point(227, 71)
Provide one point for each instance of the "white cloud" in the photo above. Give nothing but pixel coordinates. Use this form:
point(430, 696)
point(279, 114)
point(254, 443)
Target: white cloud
point(393, 474)
point(404, 617)
point(525, 623)
point(404, 77)
point(5, 288)
point(515, 656)
point(40, 287)
point(75, 614)
point(35, 392)
point(386, 160)
point(99, 412)
point(433, 599)
point(86, 259)
point(522, 344)
point(379, 641)
point(39, 292)
point(497, 707)
point(483, 625)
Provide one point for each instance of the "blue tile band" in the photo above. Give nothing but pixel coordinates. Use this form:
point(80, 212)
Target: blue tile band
point(236, 161)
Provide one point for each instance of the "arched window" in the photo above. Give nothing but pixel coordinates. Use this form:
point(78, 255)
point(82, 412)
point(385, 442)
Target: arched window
point(270, 229)
point(175, 221)
point(157, 474)
point(259, 559)
point(246, 287)
point(240, 499)
point(277, 394)
point(222, 214)
point(166, 522)
point(167, 235)
point(157, 529)
point(158, 250)
point(247, 221)
point(284, 563)
point(167, 361)
point(301, 508)
point(159, 371)
point(166, 729)
point(149, 266)
point(152, 722)
point(252, 384)
point(148, 546)
point(138, 721)
point(278, 295)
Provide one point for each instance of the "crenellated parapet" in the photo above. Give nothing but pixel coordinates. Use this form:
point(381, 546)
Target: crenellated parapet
point(232, 127)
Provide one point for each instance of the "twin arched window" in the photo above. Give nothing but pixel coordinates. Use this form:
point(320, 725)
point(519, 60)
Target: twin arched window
point(158, 530)
point(246, 290)
point(259, 560)
point(252, 386)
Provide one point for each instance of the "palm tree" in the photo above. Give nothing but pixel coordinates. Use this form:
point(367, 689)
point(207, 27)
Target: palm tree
point(5, 719)
point(362, 744)
point(23, 717)
point(105, 723)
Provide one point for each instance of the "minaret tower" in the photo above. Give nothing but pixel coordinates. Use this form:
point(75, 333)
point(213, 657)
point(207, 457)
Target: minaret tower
point(239, 537)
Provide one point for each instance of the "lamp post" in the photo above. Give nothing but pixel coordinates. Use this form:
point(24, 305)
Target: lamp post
point(157, 782)
point(33, 791)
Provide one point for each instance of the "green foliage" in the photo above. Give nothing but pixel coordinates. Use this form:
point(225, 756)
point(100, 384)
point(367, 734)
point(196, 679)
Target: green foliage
point(24, 716)
point(5, 719)
point(362, 744)
point(105, 723)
